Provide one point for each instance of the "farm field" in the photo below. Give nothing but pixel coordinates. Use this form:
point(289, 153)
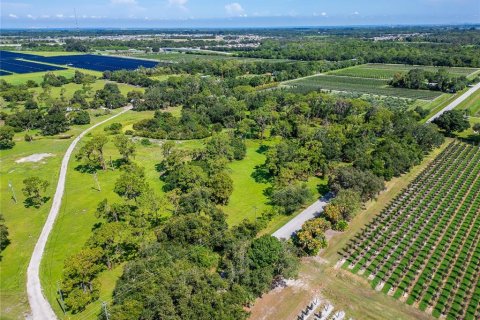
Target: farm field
point(424, 247)
point(387, 71)
point(344, 289)
point(357, 85)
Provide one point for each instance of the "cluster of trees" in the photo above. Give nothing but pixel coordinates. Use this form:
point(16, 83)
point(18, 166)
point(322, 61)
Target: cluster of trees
point(190, 265)
point(367, 50)
point(165, 126)
point(204, 180)
point(440, 80)
point(6, 137)
point(54, 115)
point(453, 121)
point(33, 189)
point(234, 72)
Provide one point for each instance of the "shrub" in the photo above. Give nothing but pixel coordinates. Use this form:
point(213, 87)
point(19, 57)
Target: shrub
point(341, 225)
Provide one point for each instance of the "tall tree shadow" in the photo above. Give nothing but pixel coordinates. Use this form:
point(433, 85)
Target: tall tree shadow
point(261, 174)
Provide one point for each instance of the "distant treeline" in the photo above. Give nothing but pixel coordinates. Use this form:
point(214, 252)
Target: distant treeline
point(437, 54)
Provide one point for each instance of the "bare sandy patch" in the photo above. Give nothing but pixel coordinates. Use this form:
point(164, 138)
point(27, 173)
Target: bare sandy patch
point(34, 157)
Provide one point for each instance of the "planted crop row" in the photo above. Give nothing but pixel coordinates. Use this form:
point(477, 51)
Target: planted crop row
point(359, 85)
point(424, 248)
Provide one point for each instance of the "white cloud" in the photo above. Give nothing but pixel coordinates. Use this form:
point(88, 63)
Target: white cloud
point(124, 2)
point(182, 4)
point(14, 16)
point(356, 13)
point(323, 14)
point(234, 9)
point(29, 16)
point(60, 15)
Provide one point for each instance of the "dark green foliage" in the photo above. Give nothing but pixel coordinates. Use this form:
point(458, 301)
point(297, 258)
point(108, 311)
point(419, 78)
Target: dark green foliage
point(452, 121)
point(165, 126)
point(125, 146)
point(169, 284)
point(33, 188)
point(4, 241)
point(79, 285)
point(291, 197)
point(420, 79)
point(6, 137)
point(51, 79)
point(80, 117)
point(341, 225)
point(79, 100)
point(364, 182)
point(92, 153)
point(31, 104)
point(109, 97)
point(55, 121)
point(113, 128)
point(76, 45)
point(348, 202)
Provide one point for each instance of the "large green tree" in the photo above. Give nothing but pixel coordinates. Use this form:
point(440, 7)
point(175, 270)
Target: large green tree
point(452, 121)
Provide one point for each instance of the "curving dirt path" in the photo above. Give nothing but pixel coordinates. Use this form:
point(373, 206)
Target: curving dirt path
point(40, 307)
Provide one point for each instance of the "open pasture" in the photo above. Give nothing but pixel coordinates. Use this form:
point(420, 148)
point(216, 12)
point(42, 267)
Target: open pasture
point(387, 71)
point(358, 85)
point(424, 248)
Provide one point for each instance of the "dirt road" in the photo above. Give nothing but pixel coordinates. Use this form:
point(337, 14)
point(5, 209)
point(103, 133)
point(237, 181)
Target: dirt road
point(39, 306)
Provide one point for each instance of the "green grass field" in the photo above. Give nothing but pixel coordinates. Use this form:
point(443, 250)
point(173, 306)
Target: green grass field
point(76, 218)
point(472, 104)
point(25, 223)
point(38, 76)
point(359, 85)
point(387, 71)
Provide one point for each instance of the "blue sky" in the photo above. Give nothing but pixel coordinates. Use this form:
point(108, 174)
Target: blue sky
point(216, 13)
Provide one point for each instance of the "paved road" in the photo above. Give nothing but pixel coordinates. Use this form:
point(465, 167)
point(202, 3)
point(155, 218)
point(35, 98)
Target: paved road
point(40, 307)
point(296, 223)
point(456, 102)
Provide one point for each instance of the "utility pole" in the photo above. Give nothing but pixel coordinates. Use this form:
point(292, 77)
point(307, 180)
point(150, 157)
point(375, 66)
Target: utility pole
point(96, 181)
point(10, 186)
point(105, 310)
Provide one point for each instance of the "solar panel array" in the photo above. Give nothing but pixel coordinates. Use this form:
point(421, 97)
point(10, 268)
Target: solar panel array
point(9, 61)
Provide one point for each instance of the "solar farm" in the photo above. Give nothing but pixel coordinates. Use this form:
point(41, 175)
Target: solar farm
point(13, 62)
point(424, 247)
